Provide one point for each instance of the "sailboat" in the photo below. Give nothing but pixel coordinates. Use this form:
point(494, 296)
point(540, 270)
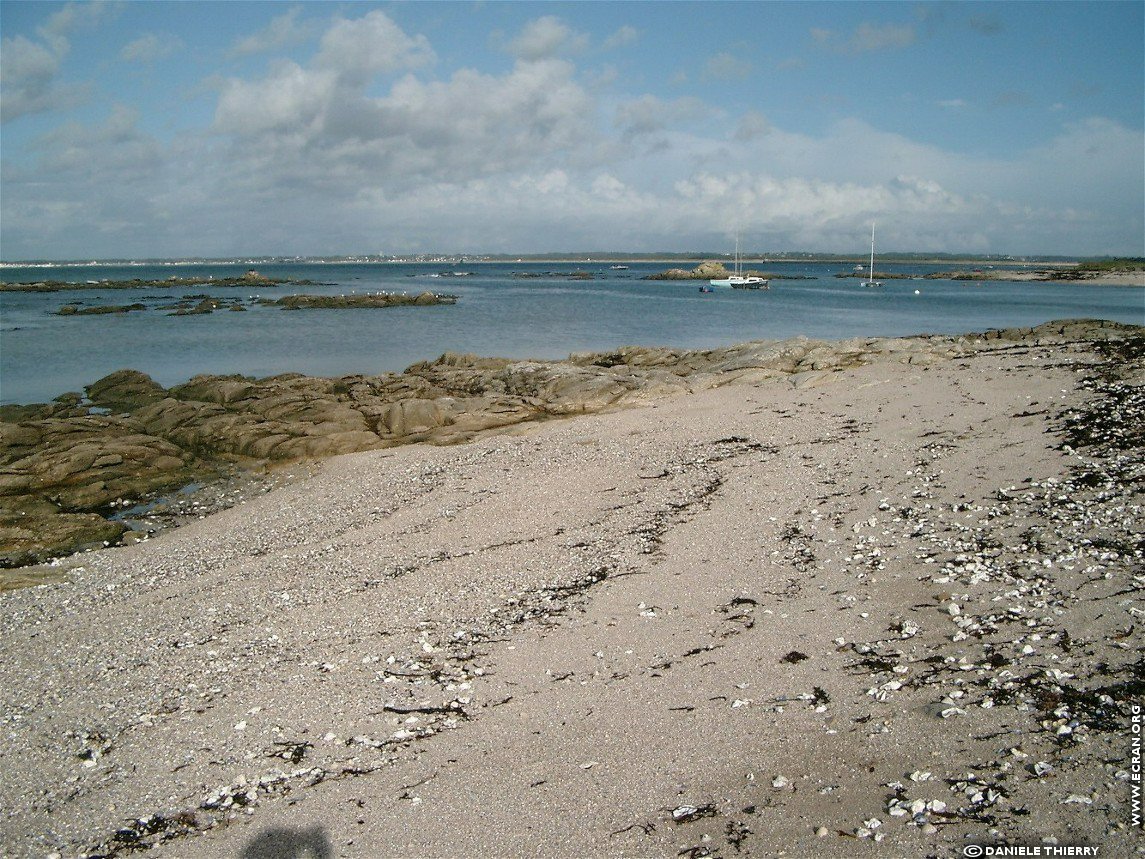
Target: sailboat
point(870, 281)
point(738, 280)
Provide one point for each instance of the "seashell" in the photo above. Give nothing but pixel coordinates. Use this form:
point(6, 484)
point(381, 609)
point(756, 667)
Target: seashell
point(683, 812)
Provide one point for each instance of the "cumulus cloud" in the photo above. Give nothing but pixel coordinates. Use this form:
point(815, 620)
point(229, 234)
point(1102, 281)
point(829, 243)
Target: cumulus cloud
point(149, 48)
point(317, 125)
point(626, 35)
point(281, 32)
point(359, 48)
point(547, 37)
point(752, 124)
point(289, 99)
point(725, 66)
point(28, 78)
point(29, 69)
point(297, 100)
point(649, 114)
point(117, 146)
point(359, 145)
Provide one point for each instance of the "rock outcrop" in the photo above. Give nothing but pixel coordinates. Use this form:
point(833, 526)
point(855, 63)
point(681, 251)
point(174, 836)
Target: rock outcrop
point(64, 464)
point(373, 299)
point(707, 270)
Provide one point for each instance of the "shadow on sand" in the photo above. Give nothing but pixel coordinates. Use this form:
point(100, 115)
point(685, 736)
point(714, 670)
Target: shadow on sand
point(283, 842)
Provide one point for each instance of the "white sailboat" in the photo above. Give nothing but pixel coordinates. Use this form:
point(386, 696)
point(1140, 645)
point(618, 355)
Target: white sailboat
point(870, 281)
point(738, 280)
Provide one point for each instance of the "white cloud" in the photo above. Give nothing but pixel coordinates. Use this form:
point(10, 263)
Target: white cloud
point(29, 69)
point(302, 101)
point(752, 124)
point(81, 153)
point(290, 99)
point(27, 78)
point(649, 114)
point(626, 35)
point(281, 32)
point(370, 45)
point(547, 37)
point(725, 66)
point(360, 145)
point(149, 49)
point(317, 127)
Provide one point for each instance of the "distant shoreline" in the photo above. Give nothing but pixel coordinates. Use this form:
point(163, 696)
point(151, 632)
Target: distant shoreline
point(458, 259)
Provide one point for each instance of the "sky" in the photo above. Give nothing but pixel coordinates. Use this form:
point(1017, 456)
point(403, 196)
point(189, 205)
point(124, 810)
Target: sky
point(223, 129)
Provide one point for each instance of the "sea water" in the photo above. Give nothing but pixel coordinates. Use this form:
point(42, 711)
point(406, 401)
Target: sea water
point(513, 310)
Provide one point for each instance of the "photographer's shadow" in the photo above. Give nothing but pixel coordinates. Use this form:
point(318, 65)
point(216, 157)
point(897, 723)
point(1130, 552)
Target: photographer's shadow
point(283, 842)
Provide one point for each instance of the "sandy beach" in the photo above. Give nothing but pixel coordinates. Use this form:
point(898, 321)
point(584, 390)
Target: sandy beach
point(888, 610)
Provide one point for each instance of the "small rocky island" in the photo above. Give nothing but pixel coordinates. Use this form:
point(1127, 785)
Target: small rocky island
point(716, 270)
point(369, 300)
point(197, 305)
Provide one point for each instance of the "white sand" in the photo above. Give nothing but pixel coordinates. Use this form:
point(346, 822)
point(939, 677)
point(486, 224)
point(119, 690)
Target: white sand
point(650, 713)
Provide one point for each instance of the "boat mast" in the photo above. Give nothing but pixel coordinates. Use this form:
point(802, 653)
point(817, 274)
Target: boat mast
point(871, 274)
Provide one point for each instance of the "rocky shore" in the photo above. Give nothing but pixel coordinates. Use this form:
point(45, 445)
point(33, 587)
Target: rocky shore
point(877, 597)
point(1026, 275)
point(67, 468)
point(251, 278)
point(1050, 275)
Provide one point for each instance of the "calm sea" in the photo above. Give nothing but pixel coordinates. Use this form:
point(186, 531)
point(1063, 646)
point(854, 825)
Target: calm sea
point(499, 313)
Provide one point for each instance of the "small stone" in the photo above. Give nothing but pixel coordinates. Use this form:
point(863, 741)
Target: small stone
point(821, 832)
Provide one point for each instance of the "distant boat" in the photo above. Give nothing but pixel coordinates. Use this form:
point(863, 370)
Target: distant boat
point(870, 281)
point(619, 267)
point(738, 280)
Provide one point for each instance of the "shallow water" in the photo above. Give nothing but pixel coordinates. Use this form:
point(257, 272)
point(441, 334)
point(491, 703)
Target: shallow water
point(43, 355)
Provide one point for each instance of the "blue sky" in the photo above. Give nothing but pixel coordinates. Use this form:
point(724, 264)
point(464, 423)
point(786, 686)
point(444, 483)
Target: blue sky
point(167, 129)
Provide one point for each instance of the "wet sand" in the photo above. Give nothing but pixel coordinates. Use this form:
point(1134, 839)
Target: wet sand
point(882, 611)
